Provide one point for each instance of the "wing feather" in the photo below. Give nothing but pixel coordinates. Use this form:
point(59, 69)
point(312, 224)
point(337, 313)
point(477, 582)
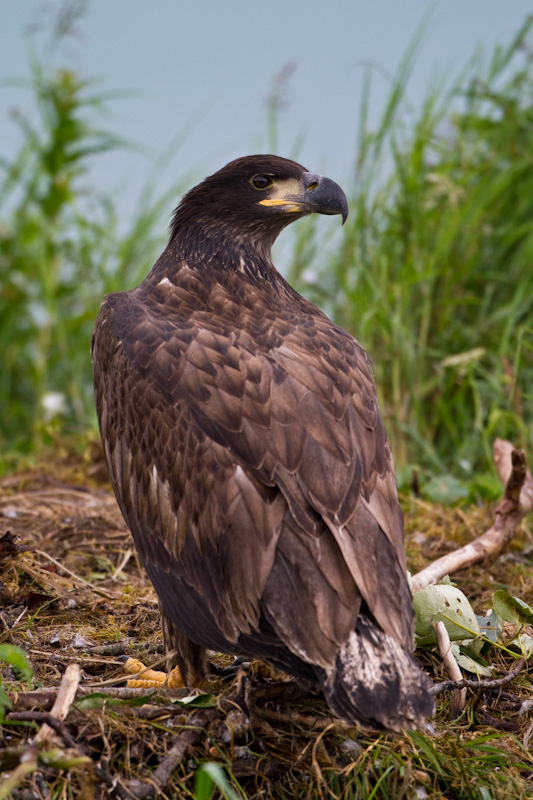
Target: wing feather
point(275, 446)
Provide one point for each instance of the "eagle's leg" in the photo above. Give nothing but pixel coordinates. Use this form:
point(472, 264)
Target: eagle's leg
point(186, 662)
point(182, 654)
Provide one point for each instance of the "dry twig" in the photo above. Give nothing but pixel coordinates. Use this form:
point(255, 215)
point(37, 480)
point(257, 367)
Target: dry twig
point(516, 503)
point(45, 698)
point(64, 699)
point(491, 683)
point(148, 789)
point(49, 721)
point(77, 578)
point(445, 649)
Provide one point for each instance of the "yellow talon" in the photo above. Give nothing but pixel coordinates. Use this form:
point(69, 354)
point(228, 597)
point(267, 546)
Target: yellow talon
point(175, 681)
point(151, 678)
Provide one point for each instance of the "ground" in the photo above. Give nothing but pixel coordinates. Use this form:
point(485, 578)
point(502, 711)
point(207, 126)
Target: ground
point(72, 590)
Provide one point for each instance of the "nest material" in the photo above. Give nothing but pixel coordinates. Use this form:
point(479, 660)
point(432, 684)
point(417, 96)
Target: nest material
point(72, 590)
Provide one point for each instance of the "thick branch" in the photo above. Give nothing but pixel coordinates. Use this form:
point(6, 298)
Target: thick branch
point(516, 503)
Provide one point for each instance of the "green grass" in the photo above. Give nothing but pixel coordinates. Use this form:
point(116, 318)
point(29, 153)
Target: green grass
point(62, 248)
point(448, 765)
point(432, 272)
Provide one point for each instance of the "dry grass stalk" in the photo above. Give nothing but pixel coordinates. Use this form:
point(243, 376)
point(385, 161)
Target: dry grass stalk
point(128, 743)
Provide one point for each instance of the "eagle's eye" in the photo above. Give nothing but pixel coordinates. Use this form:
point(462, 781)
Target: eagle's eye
point(261, 181)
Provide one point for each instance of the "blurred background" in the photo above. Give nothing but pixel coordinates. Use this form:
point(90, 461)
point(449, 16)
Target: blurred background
point(422, 112)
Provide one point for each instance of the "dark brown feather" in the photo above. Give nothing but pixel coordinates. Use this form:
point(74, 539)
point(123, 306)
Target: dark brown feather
point(248, 455)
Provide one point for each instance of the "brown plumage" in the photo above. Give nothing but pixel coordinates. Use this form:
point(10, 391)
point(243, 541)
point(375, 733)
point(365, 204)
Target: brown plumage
point(248, 455)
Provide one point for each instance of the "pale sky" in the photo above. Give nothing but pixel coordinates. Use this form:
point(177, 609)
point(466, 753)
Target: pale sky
point(209, 67)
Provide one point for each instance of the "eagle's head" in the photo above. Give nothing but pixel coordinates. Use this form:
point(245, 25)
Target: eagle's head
point(256, 197)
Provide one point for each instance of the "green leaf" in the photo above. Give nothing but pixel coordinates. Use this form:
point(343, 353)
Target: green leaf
point(524, 643)
point(203, 700)
point(490, 627)
point(10, 654)
point(5, 703)
point(57, 759)
point(470, 662)
point(15, 778)
point(512, 609)
point(444, 489)
point(447, 604)
point(210, 774)
point(474, 646)
point(446, 581)
point(100, 699)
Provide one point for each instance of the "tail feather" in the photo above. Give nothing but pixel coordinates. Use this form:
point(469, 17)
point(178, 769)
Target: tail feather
point(376, 683)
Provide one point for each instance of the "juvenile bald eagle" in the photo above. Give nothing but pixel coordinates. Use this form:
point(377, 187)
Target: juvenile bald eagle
point(247, 453)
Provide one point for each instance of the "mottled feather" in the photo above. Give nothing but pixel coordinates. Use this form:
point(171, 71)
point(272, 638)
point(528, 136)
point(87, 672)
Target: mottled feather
point(249, 458)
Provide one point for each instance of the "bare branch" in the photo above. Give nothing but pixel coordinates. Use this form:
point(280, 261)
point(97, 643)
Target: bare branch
point(56, 724)
point(44, 698)
point(445, 649)
point(516, 503)
point(148, 789)
point(64, 699)
point(467, 683)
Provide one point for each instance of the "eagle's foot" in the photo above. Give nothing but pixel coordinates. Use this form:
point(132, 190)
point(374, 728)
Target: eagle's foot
point(151, 678)
point(229, 670)
point(263, 670)
point(241, 697)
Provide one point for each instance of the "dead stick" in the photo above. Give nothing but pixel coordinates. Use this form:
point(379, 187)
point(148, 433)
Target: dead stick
point(503, 460)
point(493, 683)
point(445, 649)
point(144, 790)
point(56, 724)
point(516, 503)
point(44, 698)
point(64, 699)
point(119, 648)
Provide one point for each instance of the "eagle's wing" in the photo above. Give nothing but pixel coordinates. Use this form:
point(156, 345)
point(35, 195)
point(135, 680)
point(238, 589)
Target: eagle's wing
point(245, 461)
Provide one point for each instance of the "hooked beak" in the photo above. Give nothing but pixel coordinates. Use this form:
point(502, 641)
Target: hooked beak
point(315, 195)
